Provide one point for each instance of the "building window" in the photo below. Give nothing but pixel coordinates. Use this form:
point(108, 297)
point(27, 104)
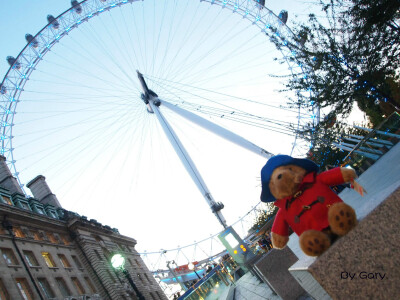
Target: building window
point(90, 285)
point(78, 285)
point(31, 259)
point(147, 278)
point(130, 262)
point(141, 278)
point(63, 287)
point(39, 210)
point(9, 256)
point(77, 262)
point(44, 285)
point(98, 255)
point(48, 259)
point(3, 292)
point(25, 205)
point(64, 261)
point(7, 200)
point(152, 296)
point(24, 289)
point(65, 239)
point(111, 277)
point(158, 295)
point(137, 262)
point(37, 236)
point(18, 232)
point(51, 238)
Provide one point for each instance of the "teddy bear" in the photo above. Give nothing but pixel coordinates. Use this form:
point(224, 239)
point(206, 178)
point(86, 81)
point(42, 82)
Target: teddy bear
point(306, 202)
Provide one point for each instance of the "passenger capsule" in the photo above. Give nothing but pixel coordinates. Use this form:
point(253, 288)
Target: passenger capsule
point(31, 40)
point(13, 62)
point(261, 2)
point(283, 16)
point(77, 7)
point(53, 21)
point(3, 89)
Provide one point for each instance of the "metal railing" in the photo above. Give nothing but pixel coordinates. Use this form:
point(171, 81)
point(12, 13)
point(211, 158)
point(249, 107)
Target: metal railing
point(373, 145)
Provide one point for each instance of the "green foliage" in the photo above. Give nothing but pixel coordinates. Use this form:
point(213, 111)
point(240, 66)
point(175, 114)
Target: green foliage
point(349, 57)
point(264, 216)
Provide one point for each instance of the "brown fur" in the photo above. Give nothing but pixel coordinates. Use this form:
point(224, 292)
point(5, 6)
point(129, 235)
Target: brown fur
point(279, 241)
point(285, 180)
point(342, 218)
point(348, 174)
point(314, 242)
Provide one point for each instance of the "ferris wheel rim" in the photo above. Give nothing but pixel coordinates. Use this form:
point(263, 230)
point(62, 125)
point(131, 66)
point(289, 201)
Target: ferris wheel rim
point(6, 117)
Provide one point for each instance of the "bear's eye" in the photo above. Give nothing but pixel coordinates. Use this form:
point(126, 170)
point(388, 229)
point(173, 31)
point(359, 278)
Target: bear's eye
point(290, 168)
point(279, 176)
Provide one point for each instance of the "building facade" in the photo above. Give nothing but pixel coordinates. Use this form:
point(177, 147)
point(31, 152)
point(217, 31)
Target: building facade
point(51, 253)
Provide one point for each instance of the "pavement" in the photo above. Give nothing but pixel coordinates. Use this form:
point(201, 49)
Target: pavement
point(248, 287)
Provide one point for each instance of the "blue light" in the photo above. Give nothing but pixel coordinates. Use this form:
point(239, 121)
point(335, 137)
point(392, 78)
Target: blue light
point(58, 37)
point(89, 16)
point(3, 137)
point(267, 26)
point(102, 9)
point(257, 19)
point(236, 7)
point(113, 5)
point(68, 29)
point(79, 22)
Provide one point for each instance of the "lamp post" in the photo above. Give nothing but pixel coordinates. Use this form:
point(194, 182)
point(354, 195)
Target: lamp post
point(192, 267)
point(118, 262)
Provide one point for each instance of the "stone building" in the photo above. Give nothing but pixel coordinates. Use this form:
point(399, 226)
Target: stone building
point(51, 253)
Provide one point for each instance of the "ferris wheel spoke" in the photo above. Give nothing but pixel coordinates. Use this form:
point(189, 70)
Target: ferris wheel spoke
point(73, 66)
point(190, 31)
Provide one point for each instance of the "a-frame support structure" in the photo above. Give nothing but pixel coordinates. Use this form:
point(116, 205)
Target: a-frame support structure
point(153, 104)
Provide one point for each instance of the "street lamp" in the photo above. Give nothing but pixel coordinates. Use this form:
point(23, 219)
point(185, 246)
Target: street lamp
point(118, 262)
point(192, 267)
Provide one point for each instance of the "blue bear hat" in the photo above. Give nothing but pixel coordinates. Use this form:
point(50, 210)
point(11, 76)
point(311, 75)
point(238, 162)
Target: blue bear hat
point(279, 161)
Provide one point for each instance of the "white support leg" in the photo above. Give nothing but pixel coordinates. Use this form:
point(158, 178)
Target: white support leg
point(187, 161)
point(218, 130)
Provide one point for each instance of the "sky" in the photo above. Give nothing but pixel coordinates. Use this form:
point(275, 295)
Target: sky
point(82, 125)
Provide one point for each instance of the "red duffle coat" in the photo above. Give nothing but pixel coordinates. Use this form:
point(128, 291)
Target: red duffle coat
point(300, 215)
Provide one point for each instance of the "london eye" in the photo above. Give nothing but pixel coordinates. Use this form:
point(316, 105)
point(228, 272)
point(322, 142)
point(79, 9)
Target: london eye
point(72, 110)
